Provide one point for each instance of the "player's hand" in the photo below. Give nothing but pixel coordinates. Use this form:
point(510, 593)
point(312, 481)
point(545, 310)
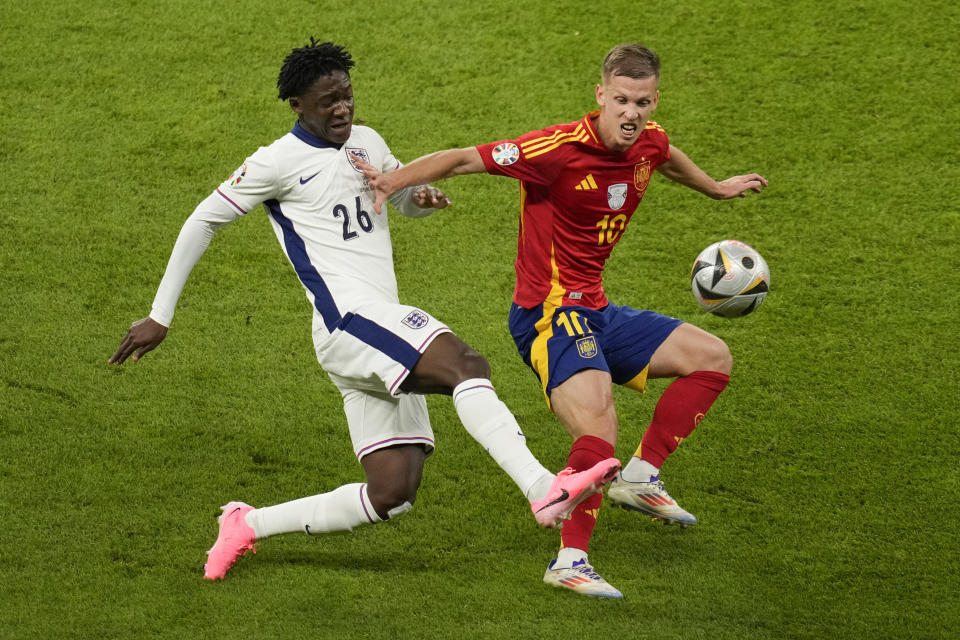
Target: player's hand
point(379, 182)
point(428, 197)
point(738, 186)
point(143, 336)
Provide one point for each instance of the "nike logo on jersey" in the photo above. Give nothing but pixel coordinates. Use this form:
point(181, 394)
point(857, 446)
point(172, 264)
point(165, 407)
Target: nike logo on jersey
point(563, 496)
point(306, 180)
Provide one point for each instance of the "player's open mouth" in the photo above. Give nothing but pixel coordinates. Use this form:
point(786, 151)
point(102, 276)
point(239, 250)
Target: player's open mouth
point(628, 129)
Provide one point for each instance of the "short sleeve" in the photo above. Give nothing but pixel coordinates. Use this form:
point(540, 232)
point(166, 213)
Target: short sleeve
point(516, 159)
point(661, 141)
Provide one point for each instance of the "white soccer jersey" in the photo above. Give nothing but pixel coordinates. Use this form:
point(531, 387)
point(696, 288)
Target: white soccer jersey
point(321, 209)
point(322, 212)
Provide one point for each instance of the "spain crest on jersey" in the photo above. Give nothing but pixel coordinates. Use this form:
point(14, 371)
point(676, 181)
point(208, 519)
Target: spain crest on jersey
point(617, 195)
point(641, 176)
point(354, 154)
point(587, 347)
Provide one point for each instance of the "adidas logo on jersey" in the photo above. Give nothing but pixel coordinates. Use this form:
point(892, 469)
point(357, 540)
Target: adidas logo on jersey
point(587, 184)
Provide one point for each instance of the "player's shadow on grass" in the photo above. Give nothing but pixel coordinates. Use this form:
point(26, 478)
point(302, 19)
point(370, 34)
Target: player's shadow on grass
point(328, 560)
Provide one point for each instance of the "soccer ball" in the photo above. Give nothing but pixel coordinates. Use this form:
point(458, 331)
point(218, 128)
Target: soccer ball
point(730, 279)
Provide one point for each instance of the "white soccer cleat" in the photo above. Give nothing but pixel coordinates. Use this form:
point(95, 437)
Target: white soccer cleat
point(580, 578)
point(649, 498)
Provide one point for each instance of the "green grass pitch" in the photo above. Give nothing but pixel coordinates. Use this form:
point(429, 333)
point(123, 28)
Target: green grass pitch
point(825, 478)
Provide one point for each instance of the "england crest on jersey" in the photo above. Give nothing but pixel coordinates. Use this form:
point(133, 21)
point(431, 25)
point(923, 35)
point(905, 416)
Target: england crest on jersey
point(354, 154)
point(416, 319)
point(617, 195)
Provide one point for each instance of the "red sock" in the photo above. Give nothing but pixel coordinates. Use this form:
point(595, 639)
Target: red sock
point(585, 452)
point(680, 409)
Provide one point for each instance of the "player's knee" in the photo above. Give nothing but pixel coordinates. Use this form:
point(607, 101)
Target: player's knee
point(719, 357)
point(473, 365)
point(393, 501)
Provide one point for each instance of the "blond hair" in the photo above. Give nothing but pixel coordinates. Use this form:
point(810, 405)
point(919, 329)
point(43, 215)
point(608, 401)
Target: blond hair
point(631, 60)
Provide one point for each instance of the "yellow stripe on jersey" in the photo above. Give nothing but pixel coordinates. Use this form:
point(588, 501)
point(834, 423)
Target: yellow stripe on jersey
point(580, 138)
point(654, 125)
point(593, 134)
point(539, 356)
point(540, 146)
point(523, 208)
point(534, 143)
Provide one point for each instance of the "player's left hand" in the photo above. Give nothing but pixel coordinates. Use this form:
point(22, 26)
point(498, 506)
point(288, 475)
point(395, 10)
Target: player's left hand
point(738, 186)
point(379, 182)
point(429, 197)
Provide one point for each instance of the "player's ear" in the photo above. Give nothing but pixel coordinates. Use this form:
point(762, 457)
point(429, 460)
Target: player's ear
point(296, 104)
point(600, 94)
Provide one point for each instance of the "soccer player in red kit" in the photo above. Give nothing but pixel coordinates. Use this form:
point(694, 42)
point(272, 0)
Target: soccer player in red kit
point(580, 184)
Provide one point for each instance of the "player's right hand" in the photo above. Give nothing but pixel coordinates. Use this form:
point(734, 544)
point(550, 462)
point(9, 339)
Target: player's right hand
point(143, 336)
point(738, 186)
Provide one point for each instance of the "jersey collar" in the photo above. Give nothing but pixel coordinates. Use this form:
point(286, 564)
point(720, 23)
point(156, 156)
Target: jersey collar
point(311, 139)
point(588, 125)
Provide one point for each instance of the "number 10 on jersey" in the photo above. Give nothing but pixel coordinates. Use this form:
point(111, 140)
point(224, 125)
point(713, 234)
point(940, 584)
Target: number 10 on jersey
point(611, 228)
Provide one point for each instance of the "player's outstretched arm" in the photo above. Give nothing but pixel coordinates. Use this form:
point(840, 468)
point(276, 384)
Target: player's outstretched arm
point(683, 170)
point(143, 336)
point(146, 334)
point(436, 166)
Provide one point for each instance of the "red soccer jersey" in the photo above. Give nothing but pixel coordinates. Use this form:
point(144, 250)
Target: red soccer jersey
point(576, 198)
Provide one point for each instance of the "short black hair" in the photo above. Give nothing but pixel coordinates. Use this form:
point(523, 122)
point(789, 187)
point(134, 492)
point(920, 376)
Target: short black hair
point(304, 65)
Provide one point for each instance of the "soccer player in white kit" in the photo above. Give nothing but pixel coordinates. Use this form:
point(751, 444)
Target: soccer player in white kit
point(380, 354)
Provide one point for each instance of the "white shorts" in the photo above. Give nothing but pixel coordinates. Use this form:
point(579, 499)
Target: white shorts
point(368, 356)
point(380, 420)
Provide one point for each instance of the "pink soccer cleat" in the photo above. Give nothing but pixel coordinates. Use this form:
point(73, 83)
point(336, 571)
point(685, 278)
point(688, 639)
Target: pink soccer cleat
point(570, 489)
point(233, 540)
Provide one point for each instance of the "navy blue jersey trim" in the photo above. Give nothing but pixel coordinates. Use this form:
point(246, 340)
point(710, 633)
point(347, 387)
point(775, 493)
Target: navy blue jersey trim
point(380, 339)
point(311, 139)
point(307, 273)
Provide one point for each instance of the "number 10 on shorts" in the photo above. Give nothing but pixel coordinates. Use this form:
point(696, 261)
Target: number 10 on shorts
point(573, 324)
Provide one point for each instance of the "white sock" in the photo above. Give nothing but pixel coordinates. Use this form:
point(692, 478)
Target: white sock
point(339, 510)
point(492, 424)
point(567, 556)
point(639, 470)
